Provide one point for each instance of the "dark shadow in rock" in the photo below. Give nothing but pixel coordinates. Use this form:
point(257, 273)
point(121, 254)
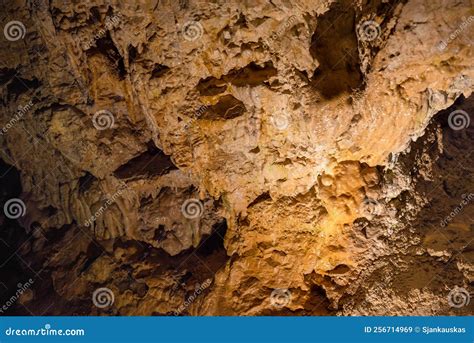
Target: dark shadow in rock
point(86, 181)
point(446, 221)
point(153, 162)
point(106, 47)
point(440, 164)
point(252, 75)
point(334, 46)
point(159, 70)
point(13, 238)
point(214, 242)
point(19, 85)
point(226, 108)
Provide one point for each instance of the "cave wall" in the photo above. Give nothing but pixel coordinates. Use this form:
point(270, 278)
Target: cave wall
point(238, 157)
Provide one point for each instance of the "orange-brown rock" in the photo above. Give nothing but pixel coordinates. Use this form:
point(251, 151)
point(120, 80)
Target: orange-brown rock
point(239, 157)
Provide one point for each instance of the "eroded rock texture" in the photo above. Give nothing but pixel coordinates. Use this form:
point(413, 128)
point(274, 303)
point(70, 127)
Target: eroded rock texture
point(237, 157)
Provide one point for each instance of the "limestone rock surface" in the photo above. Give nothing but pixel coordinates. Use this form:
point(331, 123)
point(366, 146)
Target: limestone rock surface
point(285, 157)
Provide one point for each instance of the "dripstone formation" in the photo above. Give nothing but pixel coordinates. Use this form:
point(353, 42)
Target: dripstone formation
point(255, 157)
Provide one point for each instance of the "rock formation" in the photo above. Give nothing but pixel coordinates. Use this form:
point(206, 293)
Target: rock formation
point(237, 157)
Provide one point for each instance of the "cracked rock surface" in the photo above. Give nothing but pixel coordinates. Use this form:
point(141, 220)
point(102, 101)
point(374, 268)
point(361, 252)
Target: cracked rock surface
point(237, 157)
